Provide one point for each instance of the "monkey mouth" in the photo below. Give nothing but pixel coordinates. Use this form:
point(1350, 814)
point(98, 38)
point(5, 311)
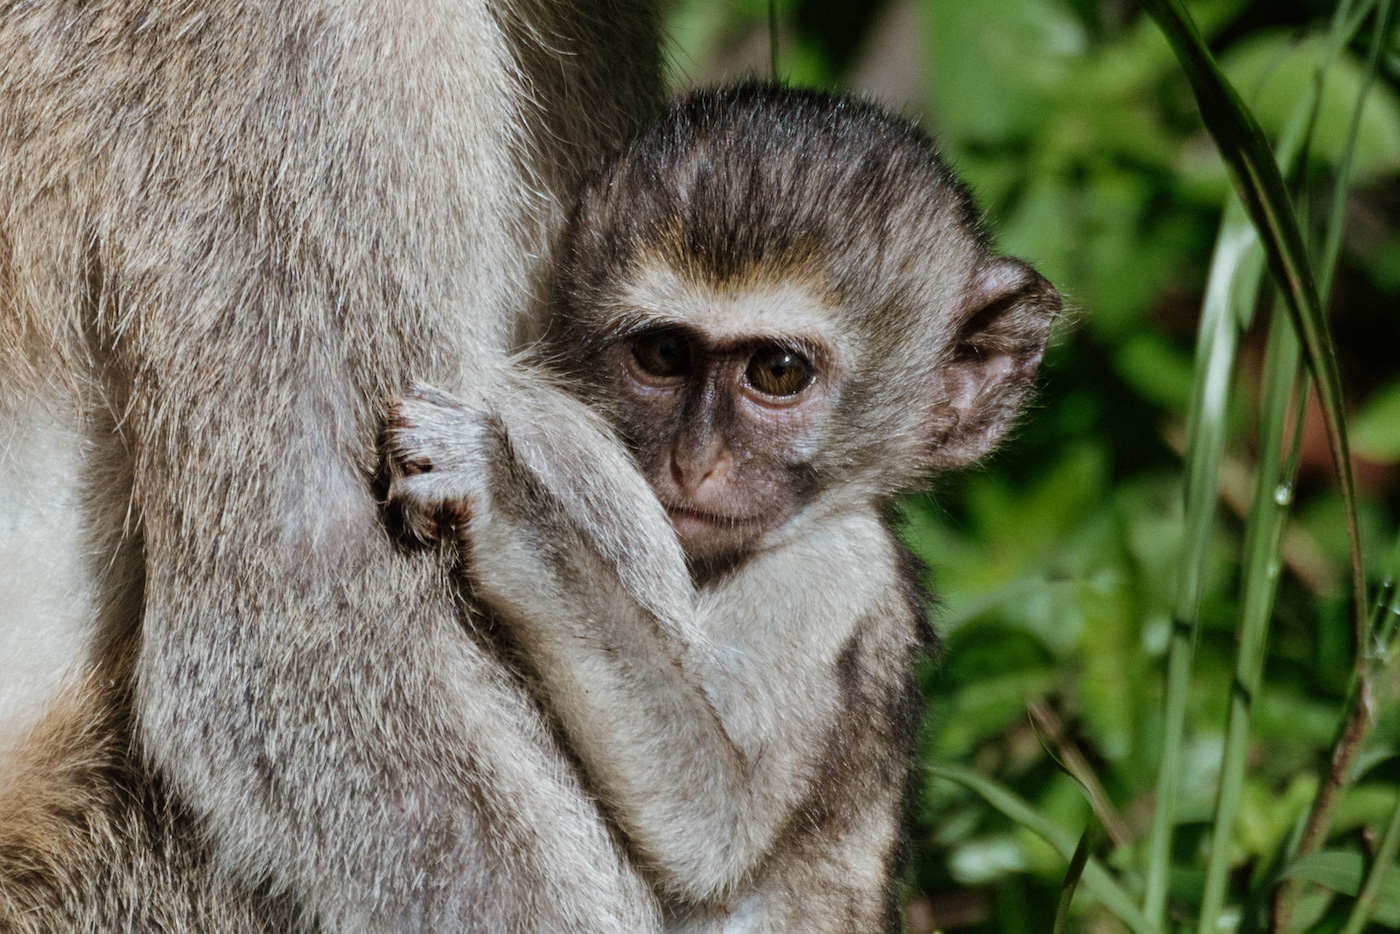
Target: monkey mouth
point(690, 522)
point(689, 513)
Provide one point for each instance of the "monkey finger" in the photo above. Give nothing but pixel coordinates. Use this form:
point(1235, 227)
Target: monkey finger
point(411, 522)
point(432, 505)
point(426, 434)
point(436, 454)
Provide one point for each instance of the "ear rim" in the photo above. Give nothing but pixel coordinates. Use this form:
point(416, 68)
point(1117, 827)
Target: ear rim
point(1003, 322)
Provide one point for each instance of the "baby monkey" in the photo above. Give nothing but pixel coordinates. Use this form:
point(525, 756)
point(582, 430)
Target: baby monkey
point(781, 300)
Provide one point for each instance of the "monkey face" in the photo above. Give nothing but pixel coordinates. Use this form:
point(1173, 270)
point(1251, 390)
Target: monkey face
point(723, 421)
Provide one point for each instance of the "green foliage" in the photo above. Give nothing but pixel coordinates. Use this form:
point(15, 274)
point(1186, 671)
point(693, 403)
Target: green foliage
point(1376, 430)
point(1345, 873)
point(1062, 564)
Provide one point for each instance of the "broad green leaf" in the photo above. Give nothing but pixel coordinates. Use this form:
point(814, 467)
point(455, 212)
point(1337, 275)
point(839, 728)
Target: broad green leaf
point(1373, 895)
point(1282, 69)
point(1344, 872)
point(1095, 878)
point(996, 66)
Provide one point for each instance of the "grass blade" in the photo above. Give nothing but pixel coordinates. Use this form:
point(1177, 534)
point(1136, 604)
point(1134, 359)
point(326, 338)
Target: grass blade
point(1236, 251)
point(1075, 872)
point(1268, 512)
point(1051, 732)
point(1268, 517)
point(1266, 200)
point(1261, 188)
point(1332, 245)
point(1096, 879)
point(1359, 714)
point(1236, 269)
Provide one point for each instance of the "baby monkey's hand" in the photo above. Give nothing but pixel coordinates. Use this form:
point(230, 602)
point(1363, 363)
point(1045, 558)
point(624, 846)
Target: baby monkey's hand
point(437, 458)
point(535, 470)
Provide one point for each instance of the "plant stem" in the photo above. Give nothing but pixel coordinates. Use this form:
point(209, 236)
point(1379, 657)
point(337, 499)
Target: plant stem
point(1268, 517)
point(1360, 705)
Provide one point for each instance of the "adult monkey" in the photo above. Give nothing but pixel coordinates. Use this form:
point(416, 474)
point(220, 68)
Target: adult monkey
point(228, 233)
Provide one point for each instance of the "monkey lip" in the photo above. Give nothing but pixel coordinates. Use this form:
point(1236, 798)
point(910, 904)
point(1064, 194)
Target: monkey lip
point(684, 518)
point(707, 534)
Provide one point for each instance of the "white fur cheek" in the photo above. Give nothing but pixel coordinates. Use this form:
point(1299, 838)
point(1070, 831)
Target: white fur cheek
point(47, 590)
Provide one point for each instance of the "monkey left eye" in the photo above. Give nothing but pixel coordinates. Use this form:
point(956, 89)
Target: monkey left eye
point(779, 371)
point(662, 354)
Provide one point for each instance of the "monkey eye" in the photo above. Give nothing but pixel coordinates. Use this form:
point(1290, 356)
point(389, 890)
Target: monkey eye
point(662, 353)
point(779, 371)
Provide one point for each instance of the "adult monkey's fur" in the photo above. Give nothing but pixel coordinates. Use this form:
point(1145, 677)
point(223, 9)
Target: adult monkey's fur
point(229, 231)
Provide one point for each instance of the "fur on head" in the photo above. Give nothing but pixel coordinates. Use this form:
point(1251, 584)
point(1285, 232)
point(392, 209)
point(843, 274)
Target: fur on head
point(767, 189)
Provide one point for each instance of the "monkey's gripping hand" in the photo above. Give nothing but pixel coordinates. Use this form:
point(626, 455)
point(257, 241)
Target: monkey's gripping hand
point(436, 454)
point(451, 461)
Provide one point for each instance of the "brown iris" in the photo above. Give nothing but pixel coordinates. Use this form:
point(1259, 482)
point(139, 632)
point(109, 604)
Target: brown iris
point(779, 371)
point(662, 353)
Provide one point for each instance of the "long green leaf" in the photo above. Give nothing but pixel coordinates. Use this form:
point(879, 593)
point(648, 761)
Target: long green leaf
point(1234, 282)
point(1268, 516)
point(1268, 512)
point(1075, 872)
point(1359, 714)
point(1332, 245)
point(1237, 267)
point(1261, 189)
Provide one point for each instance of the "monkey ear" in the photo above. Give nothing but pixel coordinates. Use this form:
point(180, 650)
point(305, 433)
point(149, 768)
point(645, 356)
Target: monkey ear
point(1005, 322)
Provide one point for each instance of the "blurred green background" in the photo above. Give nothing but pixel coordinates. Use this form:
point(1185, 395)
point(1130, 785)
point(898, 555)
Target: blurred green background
point(1056, 561)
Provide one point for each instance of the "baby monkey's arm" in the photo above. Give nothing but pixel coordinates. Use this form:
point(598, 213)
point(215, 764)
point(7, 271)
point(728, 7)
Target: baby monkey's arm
point(702, 717)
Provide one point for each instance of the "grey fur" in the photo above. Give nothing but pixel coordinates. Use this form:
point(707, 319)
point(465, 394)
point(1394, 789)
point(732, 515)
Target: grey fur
point(228, 233)
point(750, 729)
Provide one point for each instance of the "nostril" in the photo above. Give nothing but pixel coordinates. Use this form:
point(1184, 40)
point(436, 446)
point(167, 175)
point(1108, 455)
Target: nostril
point(700, 472)
point(716, 474)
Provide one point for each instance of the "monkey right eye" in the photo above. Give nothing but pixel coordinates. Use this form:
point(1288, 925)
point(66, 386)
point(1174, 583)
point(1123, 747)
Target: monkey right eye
point(779, 372)
point(662, 353)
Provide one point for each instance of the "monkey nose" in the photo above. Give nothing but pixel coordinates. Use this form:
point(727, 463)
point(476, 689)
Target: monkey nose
point(701, 474)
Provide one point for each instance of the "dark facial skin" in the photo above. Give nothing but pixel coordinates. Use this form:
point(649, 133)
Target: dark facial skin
point(721, 428)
